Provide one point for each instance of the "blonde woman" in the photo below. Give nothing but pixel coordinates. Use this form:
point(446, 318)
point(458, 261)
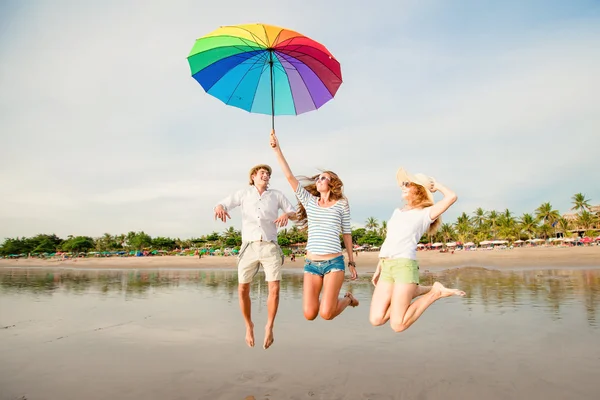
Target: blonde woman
point(396, 279)
point(325, 210)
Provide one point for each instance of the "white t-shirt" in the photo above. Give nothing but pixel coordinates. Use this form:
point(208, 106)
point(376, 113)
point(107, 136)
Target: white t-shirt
point(404, 230)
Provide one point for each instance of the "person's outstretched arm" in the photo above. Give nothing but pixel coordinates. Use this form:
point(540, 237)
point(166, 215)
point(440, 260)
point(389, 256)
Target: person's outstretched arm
point(227, 204)
point(441, 206)
point(283, 163)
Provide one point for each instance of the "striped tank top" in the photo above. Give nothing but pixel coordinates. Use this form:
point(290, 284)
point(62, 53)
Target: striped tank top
point(324, 223)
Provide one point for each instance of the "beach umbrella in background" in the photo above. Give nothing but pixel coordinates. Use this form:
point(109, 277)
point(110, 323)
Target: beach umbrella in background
point(265, 69)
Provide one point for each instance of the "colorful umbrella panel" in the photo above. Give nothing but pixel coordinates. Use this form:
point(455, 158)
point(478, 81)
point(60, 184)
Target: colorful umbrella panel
point(265, 69)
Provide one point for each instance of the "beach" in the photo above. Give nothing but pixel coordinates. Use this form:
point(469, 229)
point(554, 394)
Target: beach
point(100, 334)
point(548, 257)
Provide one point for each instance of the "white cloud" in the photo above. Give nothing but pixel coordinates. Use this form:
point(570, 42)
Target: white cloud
point(103, 130)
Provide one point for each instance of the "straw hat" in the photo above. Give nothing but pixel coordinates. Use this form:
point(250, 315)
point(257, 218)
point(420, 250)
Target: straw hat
point(255, 169)
point(421, 179)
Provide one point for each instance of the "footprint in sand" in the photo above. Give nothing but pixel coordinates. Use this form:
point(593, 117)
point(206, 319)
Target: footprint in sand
point(247, 376)
point(377, 396)
point(260, 377)
point(323, 394)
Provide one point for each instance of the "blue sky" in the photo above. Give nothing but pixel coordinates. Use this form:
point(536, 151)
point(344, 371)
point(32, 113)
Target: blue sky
point(102, 129)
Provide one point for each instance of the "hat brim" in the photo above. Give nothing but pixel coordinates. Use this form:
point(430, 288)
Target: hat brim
point(403, 175)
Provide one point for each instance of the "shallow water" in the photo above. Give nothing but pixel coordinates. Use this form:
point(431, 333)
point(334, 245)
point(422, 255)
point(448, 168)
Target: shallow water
point(169, 334)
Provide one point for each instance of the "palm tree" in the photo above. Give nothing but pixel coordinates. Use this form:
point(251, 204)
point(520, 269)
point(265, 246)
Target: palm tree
point(231, 237)
point(447, 232)
point(297, 235)
point(586, 220)
point(580, 203)
point(104, 242)
point(479, 217)
point(371, 223)
point(492, 220)
point(508, 227)
point(545, 230)
point(546, 214)
point(383, 230)
point(463, 218)
point(564, 226)
point(464, 232)
point(528, 225)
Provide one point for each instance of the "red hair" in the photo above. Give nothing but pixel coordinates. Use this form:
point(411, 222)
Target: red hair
point(419, 199)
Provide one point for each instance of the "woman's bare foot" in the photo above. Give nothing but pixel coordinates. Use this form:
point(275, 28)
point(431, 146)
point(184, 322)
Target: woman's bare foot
point(353, 301)
point(443, 291)
point(268, 337)
point(250, 335)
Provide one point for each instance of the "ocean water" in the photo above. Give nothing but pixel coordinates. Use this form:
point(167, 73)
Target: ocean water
point(179, 334)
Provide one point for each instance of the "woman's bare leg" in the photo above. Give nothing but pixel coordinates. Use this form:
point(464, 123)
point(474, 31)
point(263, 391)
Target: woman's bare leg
point(403, 314)
point(310, 295)
point(382, 296)
point(379, 313)
point(421, 290)
point(331, 304)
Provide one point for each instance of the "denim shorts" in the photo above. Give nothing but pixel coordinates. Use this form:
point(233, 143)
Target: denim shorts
point(322, 268)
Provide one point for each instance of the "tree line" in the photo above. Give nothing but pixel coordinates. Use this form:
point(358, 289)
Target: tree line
point(544, 222)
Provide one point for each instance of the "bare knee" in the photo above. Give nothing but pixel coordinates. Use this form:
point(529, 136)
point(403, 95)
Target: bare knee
point(310, 314)
point(273, 289)
point(327, 314)
point(376, 320)
point(398, 327)
point(244, 289)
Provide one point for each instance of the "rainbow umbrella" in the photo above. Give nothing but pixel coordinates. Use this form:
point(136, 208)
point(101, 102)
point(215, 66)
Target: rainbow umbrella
point(265, 69)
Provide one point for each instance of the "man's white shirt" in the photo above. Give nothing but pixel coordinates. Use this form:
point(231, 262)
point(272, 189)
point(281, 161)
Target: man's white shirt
point(258, 212)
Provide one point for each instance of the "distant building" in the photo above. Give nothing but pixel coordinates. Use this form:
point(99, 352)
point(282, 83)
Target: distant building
point(570, 216)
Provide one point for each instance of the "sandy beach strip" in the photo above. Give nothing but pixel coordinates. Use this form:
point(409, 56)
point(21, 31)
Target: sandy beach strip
point(563, 257)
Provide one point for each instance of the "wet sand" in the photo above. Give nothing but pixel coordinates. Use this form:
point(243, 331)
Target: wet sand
point(563, 257)
point(178, 334)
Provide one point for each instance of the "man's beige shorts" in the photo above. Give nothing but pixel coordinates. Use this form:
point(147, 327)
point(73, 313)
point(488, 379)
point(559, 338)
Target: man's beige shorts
point(253, 255)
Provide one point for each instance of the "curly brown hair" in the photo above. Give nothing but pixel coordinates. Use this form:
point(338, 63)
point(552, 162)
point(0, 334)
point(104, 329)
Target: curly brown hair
point(257, 168)
point(336, 187)
point(420, 200)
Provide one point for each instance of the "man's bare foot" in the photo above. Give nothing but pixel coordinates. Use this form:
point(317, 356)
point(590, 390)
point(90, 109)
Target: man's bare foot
point(353, 301)
point(250, 335)
point(443, 291)
point(268, 337)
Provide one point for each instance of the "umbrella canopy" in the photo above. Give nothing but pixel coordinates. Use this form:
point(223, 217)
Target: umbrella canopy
point(265, 69)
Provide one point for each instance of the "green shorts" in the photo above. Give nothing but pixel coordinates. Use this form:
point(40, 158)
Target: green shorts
point(399, 270)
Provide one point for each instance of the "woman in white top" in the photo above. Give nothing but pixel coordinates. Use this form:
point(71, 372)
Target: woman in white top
point(396, 279)
point(323, 207)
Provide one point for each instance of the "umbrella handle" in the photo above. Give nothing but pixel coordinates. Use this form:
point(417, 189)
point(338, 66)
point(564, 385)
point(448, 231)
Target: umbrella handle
point(272, 134)
point(272, 90)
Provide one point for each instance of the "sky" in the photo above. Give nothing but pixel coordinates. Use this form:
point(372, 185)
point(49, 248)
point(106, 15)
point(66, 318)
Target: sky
point(102, 128)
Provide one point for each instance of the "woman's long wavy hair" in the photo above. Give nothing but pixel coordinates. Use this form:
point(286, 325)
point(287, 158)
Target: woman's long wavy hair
point(420, 200)
point(336, 186)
